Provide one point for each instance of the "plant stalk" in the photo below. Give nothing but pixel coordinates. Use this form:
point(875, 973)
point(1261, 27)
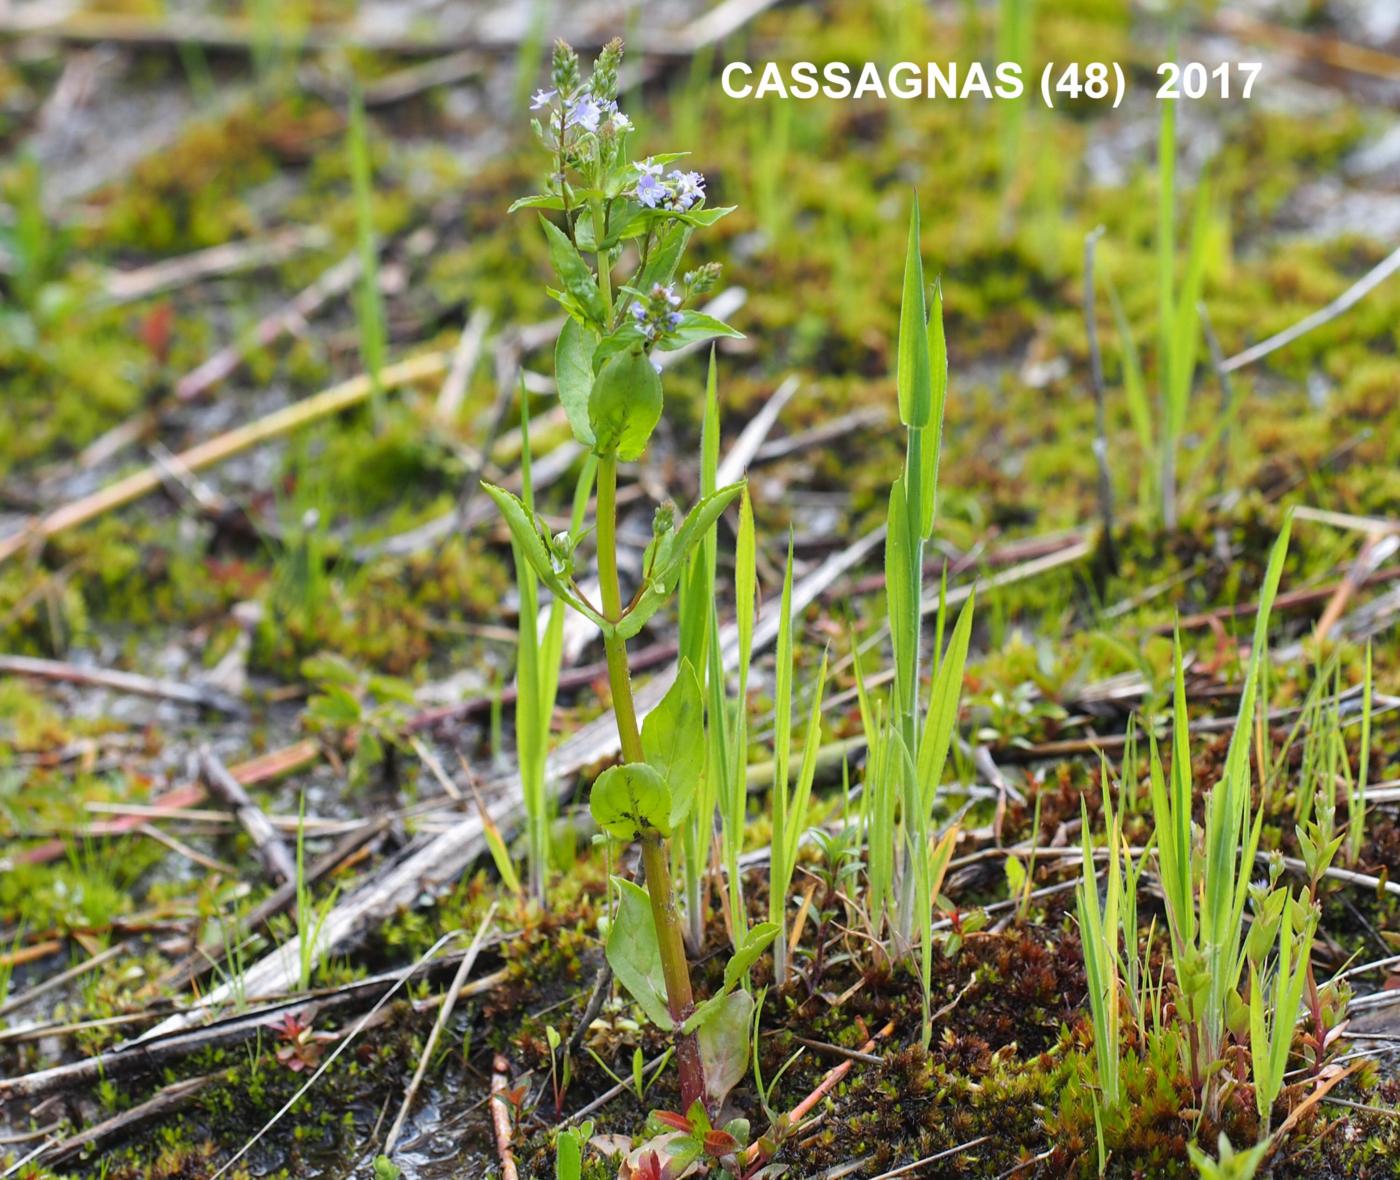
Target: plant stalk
point(614, 647)
point(674, 967)
point(680, 1000)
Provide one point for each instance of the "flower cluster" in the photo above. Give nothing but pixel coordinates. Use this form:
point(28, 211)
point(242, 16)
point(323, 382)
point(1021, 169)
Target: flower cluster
point(677, 190)
point(584, 111)
point(657, 314)
point(576, 108)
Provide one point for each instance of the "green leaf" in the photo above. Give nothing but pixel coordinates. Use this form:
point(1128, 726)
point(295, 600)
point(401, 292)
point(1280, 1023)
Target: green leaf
point(696, 326)
point(573, 272)
point(661, 580)
point(943, 705)
point(537, 201)
point(698, 521)
point(724, 1045)
point(912, 367)
point(634, 954)
point(754, 944)
point(665, 256)
point(628, 800)
point(704, 216)
point(525, 532)
point(625, 404)
point(573, 373)
point(673, 740)
point(898, 572)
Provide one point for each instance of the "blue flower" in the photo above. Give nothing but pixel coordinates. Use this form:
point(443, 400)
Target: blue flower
point(542, 98)
point(621, 122)
point(584, 112)
point(688, 188)
point(650, 191)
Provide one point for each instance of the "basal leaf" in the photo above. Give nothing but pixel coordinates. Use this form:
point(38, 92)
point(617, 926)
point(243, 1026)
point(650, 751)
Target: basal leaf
point(634, 954)
point(724, 1045)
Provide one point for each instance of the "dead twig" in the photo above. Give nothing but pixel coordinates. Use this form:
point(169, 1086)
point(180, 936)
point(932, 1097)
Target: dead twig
point(165, 1102)
point(128, 286)
point(1375, 551)
point(224, 446)
point(823, 1088)
point(1293, 600)
point(1348, 299)
point(444, 1014)
point(340, 1048)
point(500, 1116)
point(209, 954)
point(127, 682)
point(274, 854)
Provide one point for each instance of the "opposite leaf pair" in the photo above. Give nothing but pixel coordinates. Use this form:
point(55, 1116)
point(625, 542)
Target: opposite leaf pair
point(665, 558)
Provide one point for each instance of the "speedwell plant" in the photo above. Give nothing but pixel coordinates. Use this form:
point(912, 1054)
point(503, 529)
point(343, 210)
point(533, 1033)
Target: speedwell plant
point(604, 212)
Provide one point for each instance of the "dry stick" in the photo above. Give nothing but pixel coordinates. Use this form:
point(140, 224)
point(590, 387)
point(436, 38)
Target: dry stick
point(414, 80)
point(274, 854)
point(444, 1014)
point(838, 429)
point(1360, 59)
point(464, 359)
point(1091, 329)
point(159, 1106)
point(290, 317)
point(1363, 286)
point(339, 1049)
point(1371, 525)
point(287, 319)
point(208, 955)
point(263, 768)
point(127, 286)
point(824, 1087)
point(224, 446)
point(128, 682)
point(500, 1116)
point(909, 1169)
point(1293, 600)
point(242, 35)
point(180, 848)
point(19, 1001)
point(569, 679)
point(1374, 553)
